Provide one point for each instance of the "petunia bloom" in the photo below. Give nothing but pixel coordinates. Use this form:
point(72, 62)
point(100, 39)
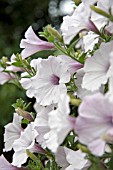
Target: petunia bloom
point(71, 64)
point(94, 125)
point(4, 76)
point(49, 82)
point(89, 40)
point(33, 44)
point(60, 124)
point(79, 21)
point(12, 132)
point(26, 141)
point(98, 69)
point(41, 122)
point(101, 21)
point(27, 82)
point(11, 67)
point(5, 165)
point(71, 160)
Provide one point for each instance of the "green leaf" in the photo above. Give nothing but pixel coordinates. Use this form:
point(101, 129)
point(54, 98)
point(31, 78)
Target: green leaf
point(25, 121)
point(20, 103)
point(82, 58)
point(17, 64)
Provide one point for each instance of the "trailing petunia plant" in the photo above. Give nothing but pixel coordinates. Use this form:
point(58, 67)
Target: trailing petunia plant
point(71, 81)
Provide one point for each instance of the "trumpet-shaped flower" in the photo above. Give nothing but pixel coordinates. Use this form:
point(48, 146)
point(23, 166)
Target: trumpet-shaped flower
point(98, 69)
point(27, 82)
point(11, 67)
point(49, 82)
point(33, 44)
point(71, 160)
point(99, 20)
point(79, 21)
point(60, 124)
point(72, 65)
point(26, 141)
point(89, 40)
point(81, 92)
point(4, 76)
point(41, 123)
point(12, 132)
point(5, 165)
point(94, 125)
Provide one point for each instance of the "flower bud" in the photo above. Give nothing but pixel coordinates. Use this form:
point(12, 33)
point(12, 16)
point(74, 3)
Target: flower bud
point(54, 32)
point(24, 114)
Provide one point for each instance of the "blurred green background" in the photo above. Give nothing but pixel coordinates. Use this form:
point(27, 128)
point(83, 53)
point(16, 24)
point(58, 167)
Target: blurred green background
point(15, 17)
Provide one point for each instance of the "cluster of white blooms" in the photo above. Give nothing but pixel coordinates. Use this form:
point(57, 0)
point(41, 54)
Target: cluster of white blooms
point(73, 91)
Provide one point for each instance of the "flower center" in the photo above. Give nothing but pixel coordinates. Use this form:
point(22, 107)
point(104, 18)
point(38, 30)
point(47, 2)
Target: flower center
point(55, 79)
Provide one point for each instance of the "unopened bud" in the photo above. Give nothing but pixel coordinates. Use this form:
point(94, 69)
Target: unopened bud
point(83, 148)
point(74, 101)
point(54, 32)
point(24, 114)
point(77, 2)
point(100, 11)
point(4, 60)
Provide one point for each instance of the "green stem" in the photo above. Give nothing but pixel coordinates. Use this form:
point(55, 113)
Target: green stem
point(24, 66)
point(65, 52)
point(34, 158)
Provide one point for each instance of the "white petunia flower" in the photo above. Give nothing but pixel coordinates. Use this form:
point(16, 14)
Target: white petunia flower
point(89, 40)
point(4, 76)
point(5, 165)
point(49, 82)
point(27, 82)
point(41, 122)
point(33, 44)
point(26, 141)
point(12, 132)
point(11, 67)
point(94, 125)
point(60, 124)
point(99, 20)
point(71, 160)
point(79, 21)
point(99, 68)
point(71, 64)
point(81, 92)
